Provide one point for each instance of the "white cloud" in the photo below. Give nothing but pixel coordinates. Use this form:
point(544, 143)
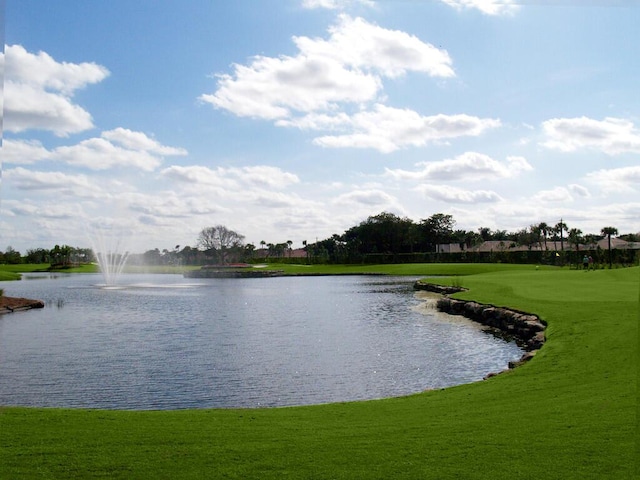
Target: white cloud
point(555, 195)
point(266, 176)
point(612, 135)
point(387, 129)
point(55, 211)
point(167, 205)
point(616, 179)
point(140, 142)
point(232, 178)
point(23, 152)
point(334, 4)
point(468, 166)
point(579, 190)
point(24, 179)
point(272, 88)
point(451, 194)
point(489, 7)
point(100, 154)
point(325, 75)
point(359, 44)
point(115, 148)
point(38, 92)
point(366, 197)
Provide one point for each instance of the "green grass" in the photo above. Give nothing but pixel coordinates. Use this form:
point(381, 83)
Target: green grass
point(8, 276)
point(426, 269)
point(570, 413)
point(44, 267)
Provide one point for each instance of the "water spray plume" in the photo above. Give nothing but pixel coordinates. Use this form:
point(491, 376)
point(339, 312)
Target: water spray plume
point(111, 255)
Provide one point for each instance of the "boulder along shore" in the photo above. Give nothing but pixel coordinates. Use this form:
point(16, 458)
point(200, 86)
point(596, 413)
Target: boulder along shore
point(528, 329)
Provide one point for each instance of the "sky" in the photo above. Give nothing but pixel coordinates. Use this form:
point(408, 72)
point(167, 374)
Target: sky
point(298, 119)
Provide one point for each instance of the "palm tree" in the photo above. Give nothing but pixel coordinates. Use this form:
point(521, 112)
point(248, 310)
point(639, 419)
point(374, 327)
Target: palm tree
point(544, 229)
point(560, 228)
point(608, 231)
point(575, 236)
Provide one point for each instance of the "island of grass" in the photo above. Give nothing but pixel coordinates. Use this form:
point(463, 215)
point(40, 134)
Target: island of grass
point(233, 270)
point(570, 413)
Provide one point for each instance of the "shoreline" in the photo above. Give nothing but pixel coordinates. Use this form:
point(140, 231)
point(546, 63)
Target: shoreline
point(527, 328)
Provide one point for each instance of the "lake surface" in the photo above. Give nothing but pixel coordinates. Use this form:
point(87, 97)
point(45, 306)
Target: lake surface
point(166, 342)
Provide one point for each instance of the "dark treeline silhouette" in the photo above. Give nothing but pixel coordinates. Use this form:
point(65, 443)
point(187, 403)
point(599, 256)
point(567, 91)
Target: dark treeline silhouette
point(388, 238)
point(381, 238)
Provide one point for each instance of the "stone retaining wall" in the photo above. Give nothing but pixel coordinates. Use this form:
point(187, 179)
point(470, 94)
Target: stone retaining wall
point(527, 328)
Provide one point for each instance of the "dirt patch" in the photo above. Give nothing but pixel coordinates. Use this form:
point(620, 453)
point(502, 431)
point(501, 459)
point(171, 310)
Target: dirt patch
point(14, 304)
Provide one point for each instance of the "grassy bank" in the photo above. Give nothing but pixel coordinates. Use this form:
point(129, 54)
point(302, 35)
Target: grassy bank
point(569, 413)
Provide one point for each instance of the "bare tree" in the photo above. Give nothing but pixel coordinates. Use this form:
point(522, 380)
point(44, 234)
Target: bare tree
point(219, 240)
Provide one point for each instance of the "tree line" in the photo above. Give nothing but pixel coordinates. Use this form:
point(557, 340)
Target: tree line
point(381, 238)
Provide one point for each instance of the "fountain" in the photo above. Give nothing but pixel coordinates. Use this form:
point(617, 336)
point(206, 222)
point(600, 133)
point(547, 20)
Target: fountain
point(110, 255)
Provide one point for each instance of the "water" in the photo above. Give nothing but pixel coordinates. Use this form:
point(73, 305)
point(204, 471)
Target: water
point(165, 342)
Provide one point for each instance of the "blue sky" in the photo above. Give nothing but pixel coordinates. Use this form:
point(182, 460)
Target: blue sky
point(297, 119)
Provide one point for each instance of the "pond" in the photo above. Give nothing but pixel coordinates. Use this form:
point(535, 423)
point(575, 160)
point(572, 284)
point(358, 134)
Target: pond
point(166, 342)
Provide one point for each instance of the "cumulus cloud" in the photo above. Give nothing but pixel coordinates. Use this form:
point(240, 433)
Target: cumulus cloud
point(38, 92)
point(468, 166)
point(55, 211)
point(612, 136)
point(115, 148)
point(554, 195)
point(24, 179)
point(100, 154)
point(23, 152)
point(334, 4)
point(155, 208)
point(313, 89)
point(387, 129)
point(138, 141)
point(579, 190)
point(260, 175)
point(372, 198)
point(488, 7)
point(622, 179)
point(449, 194)
point(356, 43)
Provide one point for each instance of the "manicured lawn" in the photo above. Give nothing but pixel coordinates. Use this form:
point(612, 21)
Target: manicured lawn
point(569, 413)
point(426, 269)
point(7, 276)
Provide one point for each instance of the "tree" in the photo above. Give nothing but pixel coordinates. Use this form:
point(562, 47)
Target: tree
point(60, 255)
point(220, 241)
point(544, 230)
point(437, 229)
point(575, 237)
point(383, 233)
point(12, 256)
point(608, 231)
point(561, 227)
point(38, 255)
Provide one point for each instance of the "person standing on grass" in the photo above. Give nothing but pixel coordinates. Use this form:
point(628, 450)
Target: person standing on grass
point(585, 262)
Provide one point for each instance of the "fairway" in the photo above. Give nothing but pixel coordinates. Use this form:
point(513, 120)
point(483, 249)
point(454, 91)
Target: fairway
point(569, 413)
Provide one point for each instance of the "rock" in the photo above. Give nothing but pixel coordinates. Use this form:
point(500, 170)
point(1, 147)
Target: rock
point(15, 304)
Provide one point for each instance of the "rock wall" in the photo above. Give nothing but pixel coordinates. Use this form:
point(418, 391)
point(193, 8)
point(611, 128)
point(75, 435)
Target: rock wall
point(527, 328)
